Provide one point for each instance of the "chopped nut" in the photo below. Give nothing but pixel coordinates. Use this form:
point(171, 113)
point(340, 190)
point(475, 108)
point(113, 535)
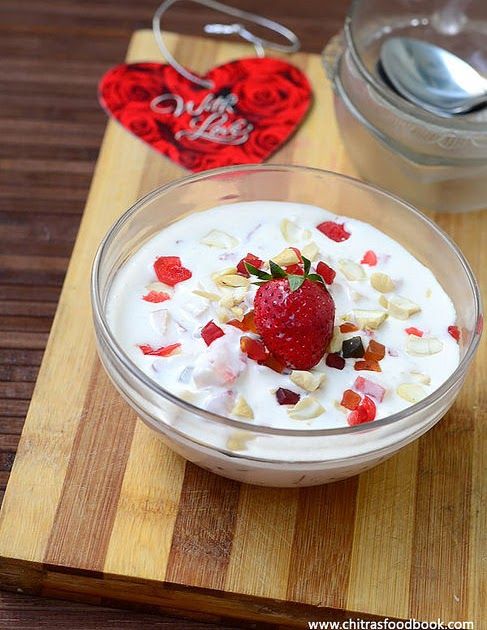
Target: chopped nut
point(420, 377)
point(421, 346)
point(242, 408)
point(412, 392)
point(158, 320)
point(336, 340)
point(228, 271)
point(286, 257)
point(233, 280)
point(159, 287)
point(307, 380)
point(306, 409)
point(402, 308)
point(238, 441)
point(383, 301)
point(237, 312)
point(224, 315)
point(366, 318)
point(293, 232)
point(351, 270)
point(310, 251)
point(233, 296)
point(213, 297)
point(217, 238)
point(382, 282)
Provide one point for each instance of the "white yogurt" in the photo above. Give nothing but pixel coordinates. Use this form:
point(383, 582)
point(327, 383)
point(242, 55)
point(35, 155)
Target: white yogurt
point(214, 377)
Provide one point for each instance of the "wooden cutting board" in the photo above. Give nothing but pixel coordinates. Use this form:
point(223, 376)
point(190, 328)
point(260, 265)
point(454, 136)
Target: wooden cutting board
point(98, 509)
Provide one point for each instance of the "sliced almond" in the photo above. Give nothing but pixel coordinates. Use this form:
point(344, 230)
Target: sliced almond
point(412, 392)
point(382, 282)
point(306, 409)
point(242, 408)
point(233, 297)
point(402, 308)
point(383, 301)
point(365, 318)
point(336, 341)
point(310, 381)
point(293, 232)
point(287, 257)
point(237, 312)
point(351, 270)
point(233, 280)
point(158, 320)
point(159, 287)
point(239, 440)
point(228, 271)
point(422, 346)
point(213, 297)
point(219, 239)
point(224, 315)
point(420, 377)
point(310, 251)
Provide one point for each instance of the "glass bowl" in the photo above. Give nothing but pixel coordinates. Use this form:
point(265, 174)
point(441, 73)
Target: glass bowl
point(260, 454)
point(434, 162)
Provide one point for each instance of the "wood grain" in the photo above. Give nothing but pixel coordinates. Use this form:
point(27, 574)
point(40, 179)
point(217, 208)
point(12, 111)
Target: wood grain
point(336, 584)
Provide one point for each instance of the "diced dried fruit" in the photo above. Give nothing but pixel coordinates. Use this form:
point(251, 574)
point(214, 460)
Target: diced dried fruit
point(375, 351)
point(353, 348)
point(348, 327)
point(293, 232)
point(287, 257)
point(239, 440)
point(414, 331)
point(454, 331)
point(156, 297)
point(412, 392)
point(371, 366)
point(365, 412)
point(253, 348)
point(421, 346)
point(326, 272)
point(217, 238)
point(158, 320)
point(306, 409)
point(336, 341)
point(351, 270)
point(255, 261)
point(334, 360)
point(210, 332)
point(369, 258)
point(365, 318)
point(382, 282)
point(310, 251)
point(420, 377)
point(370, 388)
point(165, 351)
point(170, 270)
point(402, 308)
point(274, 364)
point(310, 381)
point(213, 297)
point(247, 324)
point(286, 396)
point(242, 408)
point(350, 399)
point(335, 231)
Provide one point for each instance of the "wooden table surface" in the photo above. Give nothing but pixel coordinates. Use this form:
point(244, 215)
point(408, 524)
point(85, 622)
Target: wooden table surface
point(53, 53)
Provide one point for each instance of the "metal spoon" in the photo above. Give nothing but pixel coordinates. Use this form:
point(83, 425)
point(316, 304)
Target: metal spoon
point(432, 77)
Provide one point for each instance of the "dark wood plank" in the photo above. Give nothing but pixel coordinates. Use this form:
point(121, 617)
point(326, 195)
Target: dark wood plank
point(51, 126)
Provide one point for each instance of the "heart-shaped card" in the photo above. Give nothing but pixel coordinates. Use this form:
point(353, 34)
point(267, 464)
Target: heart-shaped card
point(254, 106)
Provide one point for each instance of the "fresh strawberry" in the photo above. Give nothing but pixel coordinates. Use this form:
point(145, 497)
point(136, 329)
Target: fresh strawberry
point(294, 315)
point(253, 260)
point(170, 270)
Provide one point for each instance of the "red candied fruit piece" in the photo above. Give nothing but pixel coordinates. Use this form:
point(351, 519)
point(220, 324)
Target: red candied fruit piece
point(326, 272)
point(210, 332)
point(454, 331)
point(252, 260)
point(286, 396)
point(156, 296)
point(365, 386)
point(375, 351)
point(335, 231)
point(165, 351)
point(295, 270)
point(170, 270)
point(370, 365)
point(365, 412)
point(369, 258)
point(348, 327)
point(298, 253)
point(253, 348)
point(350, 399)
point(247, 324)
point(274, 364)
point(334, 360)
point(414, 331)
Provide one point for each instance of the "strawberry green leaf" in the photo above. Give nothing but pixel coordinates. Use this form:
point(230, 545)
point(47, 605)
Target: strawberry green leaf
point(295, 282)
point(316, 278)
point(276, 271)
point(307, 265)
point(262, 275)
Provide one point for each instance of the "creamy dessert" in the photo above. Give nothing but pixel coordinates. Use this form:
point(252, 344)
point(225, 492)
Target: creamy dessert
point(284, 315)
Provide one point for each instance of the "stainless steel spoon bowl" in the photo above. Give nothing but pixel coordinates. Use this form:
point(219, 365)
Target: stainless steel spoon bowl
point(432, 77)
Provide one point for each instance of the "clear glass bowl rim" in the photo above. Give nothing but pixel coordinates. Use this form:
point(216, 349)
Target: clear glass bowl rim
point(400, 106)
point(107, 336)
